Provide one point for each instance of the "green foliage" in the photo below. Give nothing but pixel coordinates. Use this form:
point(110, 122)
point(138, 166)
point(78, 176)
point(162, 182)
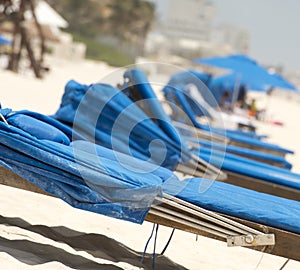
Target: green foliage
point(127, 20)
point(131, 19)
point(84, 17)
point(102, 52)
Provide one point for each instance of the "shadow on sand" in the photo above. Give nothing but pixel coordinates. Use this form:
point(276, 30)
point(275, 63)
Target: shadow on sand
point(100, 246)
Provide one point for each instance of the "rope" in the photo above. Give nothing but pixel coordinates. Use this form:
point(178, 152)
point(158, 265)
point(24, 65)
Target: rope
point(154, 248)
point(284, 265)
point(147, 243)
point(166, 246)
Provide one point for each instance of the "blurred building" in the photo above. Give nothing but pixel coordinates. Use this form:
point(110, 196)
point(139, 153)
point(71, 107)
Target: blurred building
point(186, 28)
point(187, 19)
point(182, 27)
point(233, 36)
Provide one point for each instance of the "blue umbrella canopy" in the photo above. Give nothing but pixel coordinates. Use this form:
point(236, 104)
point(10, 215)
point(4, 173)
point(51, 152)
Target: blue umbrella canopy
point(247, 71)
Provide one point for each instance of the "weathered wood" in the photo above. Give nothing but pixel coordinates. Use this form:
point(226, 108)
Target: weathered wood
point(262, 186)
point(170, 223)
point(258, 148)
point(287, 243)
point(11, 179)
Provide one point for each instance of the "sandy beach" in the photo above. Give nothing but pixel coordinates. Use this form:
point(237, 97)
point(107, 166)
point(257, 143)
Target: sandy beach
point(40, 232)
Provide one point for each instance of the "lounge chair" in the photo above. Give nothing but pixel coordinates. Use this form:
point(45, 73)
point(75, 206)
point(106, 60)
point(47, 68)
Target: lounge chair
point(204, 103)
point(176, 92)
point(240, 171)
point(274, 160)
point(104, 115)
point(36, 154)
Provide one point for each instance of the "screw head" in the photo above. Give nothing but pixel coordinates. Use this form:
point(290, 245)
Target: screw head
point(249, 238)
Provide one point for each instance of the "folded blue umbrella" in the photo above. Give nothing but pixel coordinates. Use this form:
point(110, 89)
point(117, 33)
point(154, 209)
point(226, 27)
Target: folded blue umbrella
point(104, 115)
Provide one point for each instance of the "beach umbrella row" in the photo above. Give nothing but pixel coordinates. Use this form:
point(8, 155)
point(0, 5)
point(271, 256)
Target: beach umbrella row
point(247, 71)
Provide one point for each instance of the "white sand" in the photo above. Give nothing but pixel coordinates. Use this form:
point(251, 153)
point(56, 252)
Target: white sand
point(23, 92)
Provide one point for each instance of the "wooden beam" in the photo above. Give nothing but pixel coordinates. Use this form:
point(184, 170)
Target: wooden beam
point(262, 186)
point(9, 178)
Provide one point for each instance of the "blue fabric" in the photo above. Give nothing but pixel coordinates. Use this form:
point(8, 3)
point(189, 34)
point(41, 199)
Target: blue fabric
point(4, 41)
point(243, 151)
point(251, 168)
point(236, 136)
point(231, 162)
point(79, 174)
point(41, 128)
point(180, 96)
point(200, 80)
point(250, 72)
point(154, 107)
point(150, 104)
point(90, 177)
point(43, 131)
point(177, 90)
point(106, 116)
point(239, 202)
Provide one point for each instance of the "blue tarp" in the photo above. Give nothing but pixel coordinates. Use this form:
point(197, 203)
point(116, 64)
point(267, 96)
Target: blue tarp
point(89, 177)
point(251, 168)
point(152, 106)
point(80, 173)
point(239, 202)
point(104, 115)
point(243, 151)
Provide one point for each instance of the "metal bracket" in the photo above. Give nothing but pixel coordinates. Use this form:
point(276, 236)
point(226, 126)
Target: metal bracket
point(251, 240)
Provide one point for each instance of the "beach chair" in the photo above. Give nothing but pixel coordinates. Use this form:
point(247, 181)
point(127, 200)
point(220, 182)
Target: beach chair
point(37, 155)
point(274, 160)
point(239, 170)
point(144, 91)
point(203, 101)
point(104, 115)
point(176, 92)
